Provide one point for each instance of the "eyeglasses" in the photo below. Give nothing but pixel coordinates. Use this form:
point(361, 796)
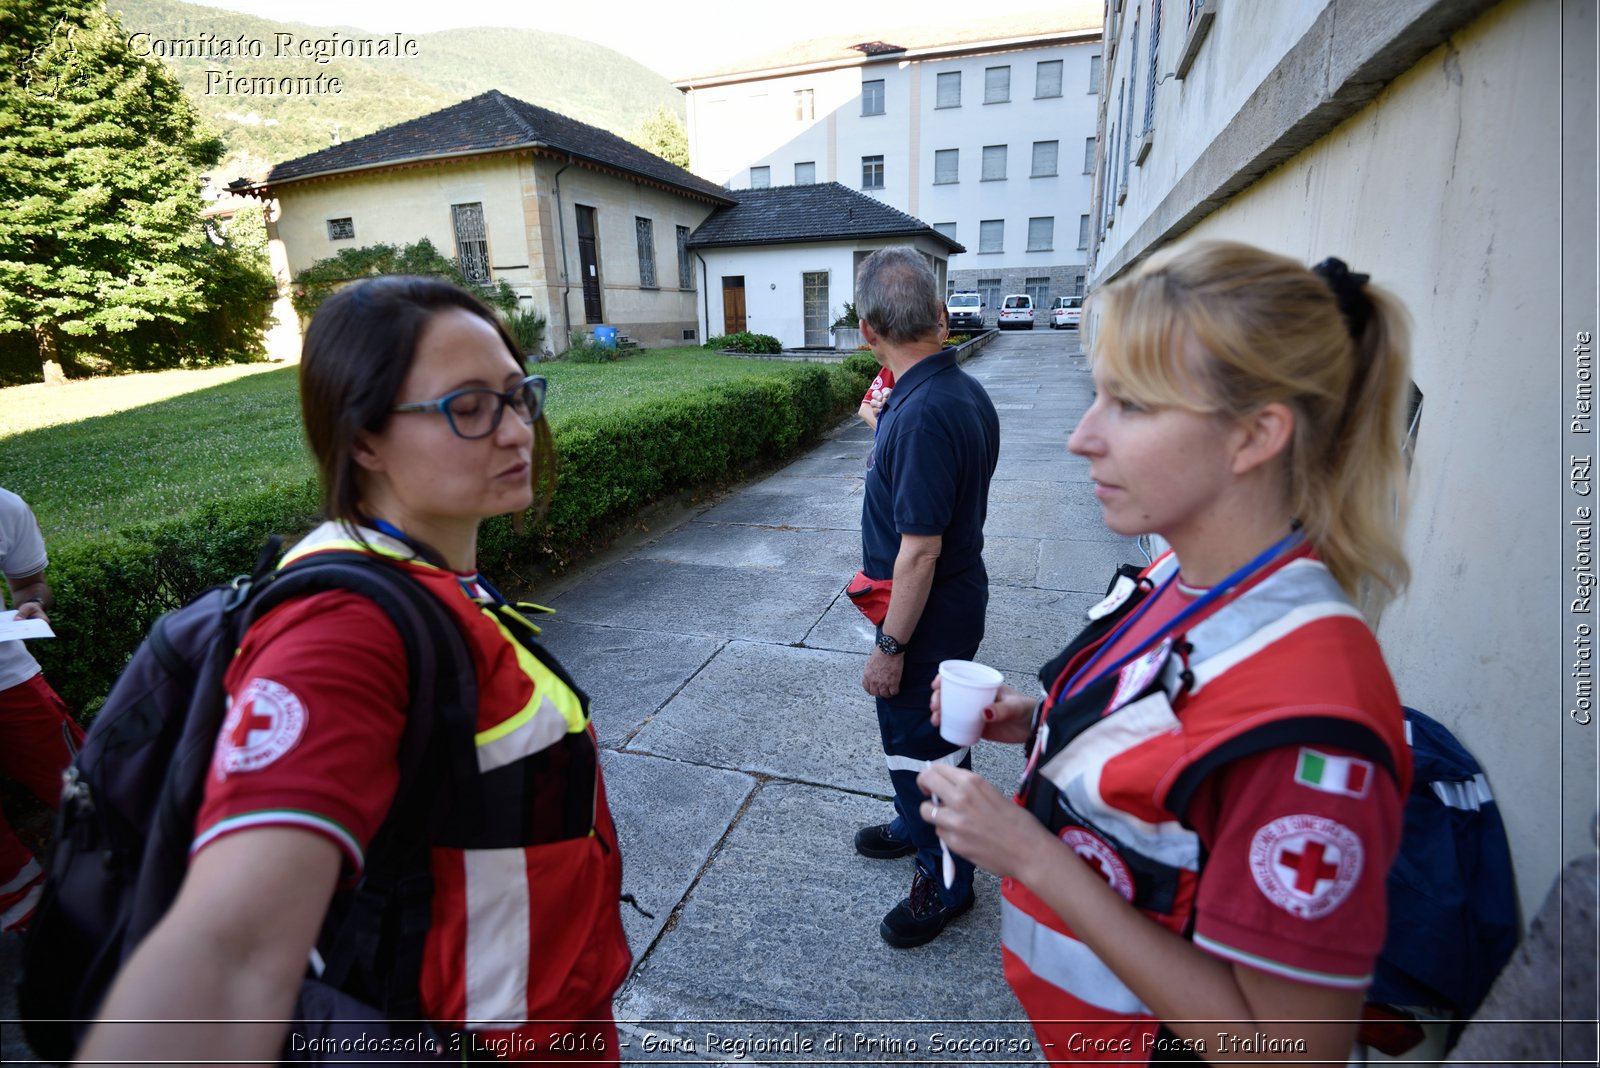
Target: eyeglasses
point(475, 413)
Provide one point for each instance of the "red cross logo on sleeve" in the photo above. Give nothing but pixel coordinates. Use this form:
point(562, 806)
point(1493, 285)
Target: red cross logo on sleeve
point(249, 722)
point(1306, 865)
point(1099, 855)
point(264, 722)
point(1310, 868)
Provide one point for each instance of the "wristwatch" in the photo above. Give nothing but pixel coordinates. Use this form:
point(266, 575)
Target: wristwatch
point(889, 645)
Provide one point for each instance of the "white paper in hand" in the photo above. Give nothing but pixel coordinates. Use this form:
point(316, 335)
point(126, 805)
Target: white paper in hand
point(13, 629)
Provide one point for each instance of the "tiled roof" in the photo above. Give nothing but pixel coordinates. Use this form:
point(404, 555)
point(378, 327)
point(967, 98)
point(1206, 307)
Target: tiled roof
point(1071, 16)
point(805, 213)
point(488, 122)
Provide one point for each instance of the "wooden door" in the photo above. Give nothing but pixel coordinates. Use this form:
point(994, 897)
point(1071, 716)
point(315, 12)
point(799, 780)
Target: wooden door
point(589, 265)
point(733, 318)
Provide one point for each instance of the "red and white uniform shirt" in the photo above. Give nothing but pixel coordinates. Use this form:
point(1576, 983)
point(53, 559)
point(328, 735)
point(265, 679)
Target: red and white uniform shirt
point(1202, 801)
point(880, 387)
point(317, 701)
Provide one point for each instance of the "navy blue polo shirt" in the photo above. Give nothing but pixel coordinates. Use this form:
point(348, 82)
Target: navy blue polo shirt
point(934, 453)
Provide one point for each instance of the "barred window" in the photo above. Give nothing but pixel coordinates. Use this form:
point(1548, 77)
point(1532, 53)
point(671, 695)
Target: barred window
point(949, 83)
point(341, 229)
point(644, 230)
point(472, 242)
point(685, 268)
point(946, 166)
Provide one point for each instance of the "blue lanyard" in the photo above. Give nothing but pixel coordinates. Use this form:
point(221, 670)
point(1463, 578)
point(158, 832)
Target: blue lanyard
point(1294, 538)
point(383, 526)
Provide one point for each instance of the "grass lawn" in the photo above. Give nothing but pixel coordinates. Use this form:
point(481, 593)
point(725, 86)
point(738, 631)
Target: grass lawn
point(95, 457)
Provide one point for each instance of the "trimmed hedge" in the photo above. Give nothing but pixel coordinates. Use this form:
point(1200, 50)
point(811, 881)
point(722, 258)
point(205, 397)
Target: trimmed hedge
point(610, 469)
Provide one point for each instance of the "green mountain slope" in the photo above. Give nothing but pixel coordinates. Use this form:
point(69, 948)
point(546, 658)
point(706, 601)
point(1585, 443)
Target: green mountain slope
point(203, 47)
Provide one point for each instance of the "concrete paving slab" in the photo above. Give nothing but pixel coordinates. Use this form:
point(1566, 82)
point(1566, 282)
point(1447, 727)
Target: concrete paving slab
point(740, 545)
point(1025, 628)
point(1069, 513)
point(628, 673)
point(842, 628)
point(1084, 566)
point(727, 602)
point(775, 710)
point(670, 817)
point(783, 928)
point(1011, 561)
point(829, 512)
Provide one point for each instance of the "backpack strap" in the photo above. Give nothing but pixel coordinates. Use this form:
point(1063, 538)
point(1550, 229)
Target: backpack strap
point(372, 946)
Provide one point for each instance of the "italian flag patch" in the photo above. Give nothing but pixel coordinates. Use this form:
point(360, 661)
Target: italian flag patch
point(1331, 774)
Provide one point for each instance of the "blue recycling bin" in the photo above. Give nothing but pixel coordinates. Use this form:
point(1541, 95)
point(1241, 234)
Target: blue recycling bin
point(605, 337)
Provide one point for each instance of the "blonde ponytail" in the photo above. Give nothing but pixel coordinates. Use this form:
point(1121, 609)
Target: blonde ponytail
point(1274, 331)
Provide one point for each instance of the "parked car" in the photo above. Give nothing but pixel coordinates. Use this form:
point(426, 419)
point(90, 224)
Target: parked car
point(964, 311)
point(1065, 312)
point(1016, 312)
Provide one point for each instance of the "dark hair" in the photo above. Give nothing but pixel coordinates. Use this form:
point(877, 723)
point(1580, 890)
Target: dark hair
point(357, 352)
point(897, 293)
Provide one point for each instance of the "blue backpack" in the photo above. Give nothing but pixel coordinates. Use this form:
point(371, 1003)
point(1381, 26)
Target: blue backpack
point(1453, 920)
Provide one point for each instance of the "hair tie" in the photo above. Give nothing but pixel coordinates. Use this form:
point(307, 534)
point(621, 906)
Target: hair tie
point(1347, 289)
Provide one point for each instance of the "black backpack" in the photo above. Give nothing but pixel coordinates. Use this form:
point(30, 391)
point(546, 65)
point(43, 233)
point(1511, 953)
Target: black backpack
point(131, 797)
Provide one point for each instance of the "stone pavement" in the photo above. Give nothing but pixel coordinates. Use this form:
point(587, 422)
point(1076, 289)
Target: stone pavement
point(741, 753)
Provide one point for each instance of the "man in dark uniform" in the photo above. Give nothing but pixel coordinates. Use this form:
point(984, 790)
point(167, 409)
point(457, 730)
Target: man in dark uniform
point(927, 494)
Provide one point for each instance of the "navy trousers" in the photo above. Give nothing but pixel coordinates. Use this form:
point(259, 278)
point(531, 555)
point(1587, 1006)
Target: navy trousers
point(911, 741)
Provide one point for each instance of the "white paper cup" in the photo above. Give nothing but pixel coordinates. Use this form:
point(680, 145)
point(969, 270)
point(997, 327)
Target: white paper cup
point(966, 688)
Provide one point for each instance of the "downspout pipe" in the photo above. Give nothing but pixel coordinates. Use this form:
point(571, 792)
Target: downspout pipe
point(705, 298)
point(566, 277)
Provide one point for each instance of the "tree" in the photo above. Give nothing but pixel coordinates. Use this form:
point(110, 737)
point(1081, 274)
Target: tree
point(101, 239)
point(663, 134)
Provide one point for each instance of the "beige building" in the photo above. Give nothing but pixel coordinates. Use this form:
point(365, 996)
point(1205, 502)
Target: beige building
point(587, 228)
point(1447, 150)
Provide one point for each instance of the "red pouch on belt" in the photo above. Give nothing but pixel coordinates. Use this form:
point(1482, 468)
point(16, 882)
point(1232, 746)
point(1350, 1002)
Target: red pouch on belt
point(871, 596)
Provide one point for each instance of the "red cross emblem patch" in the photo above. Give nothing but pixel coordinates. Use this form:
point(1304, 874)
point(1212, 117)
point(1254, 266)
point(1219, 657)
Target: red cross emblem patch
point(1306, 865)
point(262, 725)
point(1098, 854)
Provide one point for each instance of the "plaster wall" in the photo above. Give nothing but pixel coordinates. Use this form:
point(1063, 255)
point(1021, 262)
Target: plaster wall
point(652, 316)
point(1446, 188)
point(399, 207)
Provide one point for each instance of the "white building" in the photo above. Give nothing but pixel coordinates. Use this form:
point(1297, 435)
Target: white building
point(1447, 150)
point(985, 131)
point(783, 261)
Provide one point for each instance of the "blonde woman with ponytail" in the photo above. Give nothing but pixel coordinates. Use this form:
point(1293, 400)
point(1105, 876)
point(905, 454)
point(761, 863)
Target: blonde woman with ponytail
point(1194, 864)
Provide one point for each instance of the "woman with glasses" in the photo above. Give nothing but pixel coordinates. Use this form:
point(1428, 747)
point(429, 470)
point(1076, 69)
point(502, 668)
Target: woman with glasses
point(423, 423)
point(1195, 862)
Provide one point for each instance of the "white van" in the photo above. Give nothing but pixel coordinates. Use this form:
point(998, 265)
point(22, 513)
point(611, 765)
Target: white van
point(1016, 311)
point(1066, 312)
